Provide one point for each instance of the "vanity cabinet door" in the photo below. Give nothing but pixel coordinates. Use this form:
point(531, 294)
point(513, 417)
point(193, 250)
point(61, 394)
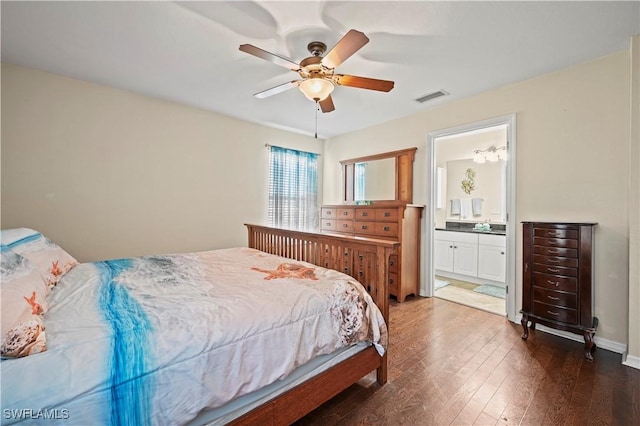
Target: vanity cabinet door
point(492, 263)
point(465, 258)
point(492, 258)
point(443, 255)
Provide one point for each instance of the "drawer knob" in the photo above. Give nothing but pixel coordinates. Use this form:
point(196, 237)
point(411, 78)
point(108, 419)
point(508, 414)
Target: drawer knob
point(387, 214)
point(365, 214)
point(345, 213)
point(501, 252)
point(553, 298)
point(328, 213)
point(386, 228)
point(554, 270)
point(344, 225)
point(391, 263)
point(328, 223)
point(553, 313)
point(553, 252)
point(553, 234)
point(556, 283)
point(364, 227)
point(553, 260)
point(390, 280)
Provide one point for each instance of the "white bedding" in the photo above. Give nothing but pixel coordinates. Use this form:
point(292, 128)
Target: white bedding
point(155, 340)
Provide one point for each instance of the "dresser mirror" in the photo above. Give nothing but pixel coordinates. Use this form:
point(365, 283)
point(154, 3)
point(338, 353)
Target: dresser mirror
point(386, 177)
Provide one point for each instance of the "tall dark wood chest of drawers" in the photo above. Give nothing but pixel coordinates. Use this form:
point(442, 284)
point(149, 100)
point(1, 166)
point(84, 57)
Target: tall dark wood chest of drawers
point(557, 278)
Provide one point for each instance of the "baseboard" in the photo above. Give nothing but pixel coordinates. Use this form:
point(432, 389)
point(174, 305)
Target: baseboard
point(631, 361)
point(600, 342)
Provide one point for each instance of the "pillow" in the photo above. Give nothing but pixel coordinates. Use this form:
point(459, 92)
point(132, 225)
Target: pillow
point(47, 257)
point(23, 292)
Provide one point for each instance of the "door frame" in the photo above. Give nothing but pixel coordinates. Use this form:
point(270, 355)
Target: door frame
point(510, 205)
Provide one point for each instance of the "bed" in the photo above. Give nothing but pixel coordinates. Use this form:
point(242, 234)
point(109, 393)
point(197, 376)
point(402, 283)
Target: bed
point(253, 335)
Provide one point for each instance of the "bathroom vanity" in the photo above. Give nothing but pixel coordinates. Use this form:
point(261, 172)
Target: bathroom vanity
point(469, 255)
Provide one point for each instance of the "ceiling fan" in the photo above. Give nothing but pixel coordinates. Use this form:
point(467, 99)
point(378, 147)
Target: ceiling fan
point(318, 71)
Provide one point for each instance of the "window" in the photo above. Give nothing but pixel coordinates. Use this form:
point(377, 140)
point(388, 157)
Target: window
point(293, 189)
point(359, 177)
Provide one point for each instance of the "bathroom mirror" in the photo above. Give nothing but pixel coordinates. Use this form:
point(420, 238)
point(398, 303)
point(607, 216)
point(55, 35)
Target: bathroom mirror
point(382, 177)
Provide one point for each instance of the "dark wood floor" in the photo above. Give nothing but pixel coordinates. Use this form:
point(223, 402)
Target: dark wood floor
point(450, 364)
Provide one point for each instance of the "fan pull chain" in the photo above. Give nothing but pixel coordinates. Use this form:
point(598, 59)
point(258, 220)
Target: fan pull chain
point(316, 120)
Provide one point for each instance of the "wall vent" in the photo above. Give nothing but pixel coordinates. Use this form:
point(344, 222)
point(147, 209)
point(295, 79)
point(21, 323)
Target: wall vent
point(430, 96)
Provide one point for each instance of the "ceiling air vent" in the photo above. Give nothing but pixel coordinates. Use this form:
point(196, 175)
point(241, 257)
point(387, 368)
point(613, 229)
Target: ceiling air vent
point(430, 96)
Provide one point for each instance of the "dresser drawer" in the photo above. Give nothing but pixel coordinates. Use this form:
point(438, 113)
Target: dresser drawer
point(390, 215)
point(389, 229)
point(570, 262)
point(557, 298)
point(393, 283)
point(554, 282)
point(345, 214)
point(393, 263)
point(365, 214)
point(555, 270)
point(555, 242)
point(344, 226)
point(327, 213)
point(328, 224)
point(554, 251)
point(367, 228)
point(555, 233)
point(555, 313)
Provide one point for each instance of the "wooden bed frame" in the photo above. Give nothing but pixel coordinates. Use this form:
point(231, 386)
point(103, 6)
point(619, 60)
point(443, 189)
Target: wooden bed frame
point(366, 260)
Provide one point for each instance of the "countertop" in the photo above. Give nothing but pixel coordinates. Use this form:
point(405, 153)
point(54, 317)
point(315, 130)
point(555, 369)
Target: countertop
point(473, 231)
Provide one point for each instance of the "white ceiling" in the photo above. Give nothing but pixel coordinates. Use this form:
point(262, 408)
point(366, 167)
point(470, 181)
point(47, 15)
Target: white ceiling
point(187, 52)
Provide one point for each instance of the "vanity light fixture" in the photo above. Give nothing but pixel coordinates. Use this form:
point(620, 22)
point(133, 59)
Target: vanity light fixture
point(491, 154)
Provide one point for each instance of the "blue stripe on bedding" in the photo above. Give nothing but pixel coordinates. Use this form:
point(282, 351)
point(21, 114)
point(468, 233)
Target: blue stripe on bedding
point(131, 385)
point(24, 240)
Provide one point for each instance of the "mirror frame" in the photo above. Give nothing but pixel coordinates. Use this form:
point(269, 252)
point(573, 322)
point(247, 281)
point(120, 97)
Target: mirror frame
point(403, 175)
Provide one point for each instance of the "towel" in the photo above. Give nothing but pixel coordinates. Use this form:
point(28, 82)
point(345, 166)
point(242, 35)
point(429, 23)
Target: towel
point(476, 206)
point(465, 208)
point(455, 206)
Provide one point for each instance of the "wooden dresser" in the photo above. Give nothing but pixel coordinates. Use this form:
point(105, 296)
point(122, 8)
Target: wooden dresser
point(557, 279)
point(394, 222)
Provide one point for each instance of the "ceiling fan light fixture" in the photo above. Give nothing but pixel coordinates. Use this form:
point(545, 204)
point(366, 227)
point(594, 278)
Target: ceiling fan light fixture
point(316, 88)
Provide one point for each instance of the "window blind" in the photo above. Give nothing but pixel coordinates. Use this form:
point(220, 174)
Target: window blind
point(293, 189)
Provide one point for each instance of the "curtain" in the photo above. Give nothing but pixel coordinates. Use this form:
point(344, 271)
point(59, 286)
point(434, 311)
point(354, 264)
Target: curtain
point(293, 189)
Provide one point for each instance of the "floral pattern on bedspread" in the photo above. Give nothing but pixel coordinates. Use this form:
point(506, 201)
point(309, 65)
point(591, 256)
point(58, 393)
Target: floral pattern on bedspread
point(168, 336)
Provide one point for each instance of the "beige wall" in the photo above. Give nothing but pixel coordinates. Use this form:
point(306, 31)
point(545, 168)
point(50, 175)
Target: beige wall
point(107, 173)
point(572, 162)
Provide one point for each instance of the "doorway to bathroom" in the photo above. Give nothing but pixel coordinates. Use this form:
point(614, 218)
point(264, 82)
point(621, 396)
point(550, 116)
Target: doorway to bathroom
point(470, 245)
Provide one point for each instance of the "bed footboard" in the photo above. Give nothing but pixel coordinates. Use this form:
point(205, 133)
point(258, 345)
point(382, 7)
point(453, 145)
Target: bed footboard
point(366, 260)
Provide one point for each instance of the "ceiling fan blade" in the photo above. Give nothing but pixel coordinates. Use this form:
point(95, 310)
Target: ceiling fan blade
point(347, 46)
point(363, 82)
point(326, 105)
point(268, 56)
point(277, 89)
